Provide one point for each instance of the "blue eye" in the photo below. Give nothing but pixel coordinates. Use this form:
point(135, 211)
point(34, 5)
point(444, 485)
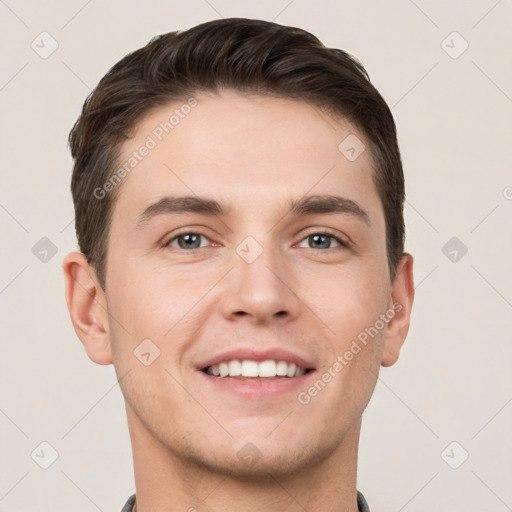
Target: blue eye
point(323, 240)
point(187, 241)
point(318, 240)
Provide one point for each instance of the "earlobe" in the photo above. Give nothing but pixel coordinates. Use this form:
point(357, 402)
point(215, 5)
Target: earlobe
point(87, 307)
point(402, 297)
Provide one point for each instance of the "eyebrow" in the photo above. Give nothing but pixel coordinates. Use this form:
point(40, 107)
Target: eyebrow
point(310, 205)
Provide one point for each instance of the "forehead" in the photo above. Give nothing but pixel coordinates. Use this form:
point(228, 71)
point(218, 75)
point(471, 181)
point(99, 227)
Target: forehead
point(250, 151)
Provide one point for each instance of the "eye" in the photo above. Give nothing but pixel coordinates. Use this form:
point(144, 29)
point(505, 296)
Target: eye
point(322, 240)
point(317, 240)
point(186, 241)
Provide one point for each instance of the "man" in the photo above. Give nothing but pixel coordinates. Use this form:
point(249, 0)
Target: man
point(239, 210)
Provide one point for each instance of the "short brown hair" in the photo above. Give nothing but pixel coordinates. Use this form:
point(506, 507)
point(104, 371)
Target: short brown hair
point(243, 54)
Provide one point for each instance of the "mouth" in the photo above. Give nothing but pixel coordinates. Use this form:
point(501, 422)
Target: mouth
point(256, 373)
point(261, 370)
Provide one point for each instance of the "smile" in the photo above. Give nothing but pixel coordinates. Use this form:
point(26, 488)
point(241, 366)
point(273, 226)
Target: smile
point(255, 369)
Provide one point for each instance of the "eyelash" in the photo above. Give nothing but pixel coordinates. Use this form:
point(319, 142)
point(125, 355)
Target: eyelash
point(343, 243)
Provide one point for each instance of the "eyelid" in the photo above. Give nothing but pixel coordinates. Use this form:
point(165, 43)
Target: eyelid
point(186, 231)
point(341, 238)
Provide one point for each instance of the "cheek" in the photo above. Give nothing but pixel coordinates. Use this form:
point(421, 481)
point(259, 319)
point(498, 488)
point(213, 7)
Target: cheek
point(348, 300)
point(139, 298)
point(351, 305)
point(153, 305)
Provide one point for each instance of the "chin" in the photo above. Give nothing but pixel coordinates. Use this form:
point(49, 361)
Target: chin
point(264, 467)
point(259, 459)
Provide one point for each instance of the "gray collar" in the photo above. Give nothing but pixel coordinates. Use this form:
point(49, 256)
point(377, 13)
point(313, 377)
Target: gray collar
point(362, 505)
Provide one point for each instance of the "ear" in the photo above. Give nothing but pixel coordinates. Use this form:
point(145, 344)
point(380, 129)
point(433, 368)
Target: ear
point(402, 296)
point(87, 307)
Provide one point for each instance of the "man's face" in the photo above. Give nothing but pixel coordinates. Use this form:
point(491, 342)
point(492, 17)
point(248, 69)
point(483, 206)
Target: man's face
point(257, 282)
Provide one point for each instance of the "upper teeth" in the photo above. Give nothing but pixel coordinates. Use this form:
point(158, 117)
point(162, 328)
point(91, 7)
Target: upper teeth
point(248, 368)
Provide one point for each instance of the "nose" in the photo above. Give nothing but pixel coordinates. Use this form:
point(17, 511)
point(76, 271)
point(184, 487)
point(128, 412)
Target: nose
point(263, 290)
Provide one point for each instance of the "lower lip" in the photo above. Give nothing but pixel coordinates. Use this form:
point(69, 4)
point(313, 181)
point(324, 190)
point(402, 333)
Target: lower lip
point(255, 388)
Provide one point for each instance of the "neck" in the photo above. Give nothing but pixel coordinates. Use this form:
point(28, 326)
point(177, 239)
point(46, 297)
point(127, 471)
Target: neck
point(166, 483)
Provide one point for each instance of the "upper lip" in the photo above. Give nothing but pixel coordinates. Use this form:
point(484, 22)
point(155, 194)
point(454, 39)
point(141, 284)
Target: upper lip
point(253, 354)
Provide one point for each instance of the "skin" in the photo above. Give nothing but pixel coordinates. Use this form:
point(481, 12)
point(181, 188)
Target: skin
point(255, 153)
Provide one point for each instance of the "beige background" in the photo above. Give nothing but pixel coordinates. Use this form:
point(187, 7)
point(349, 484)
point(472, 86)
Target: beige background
point(453, 382)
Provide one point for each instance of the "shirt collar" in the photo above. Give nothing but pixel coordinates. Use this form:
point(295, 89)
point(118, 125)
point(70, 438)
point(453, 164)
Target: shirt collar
point(362, 505)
